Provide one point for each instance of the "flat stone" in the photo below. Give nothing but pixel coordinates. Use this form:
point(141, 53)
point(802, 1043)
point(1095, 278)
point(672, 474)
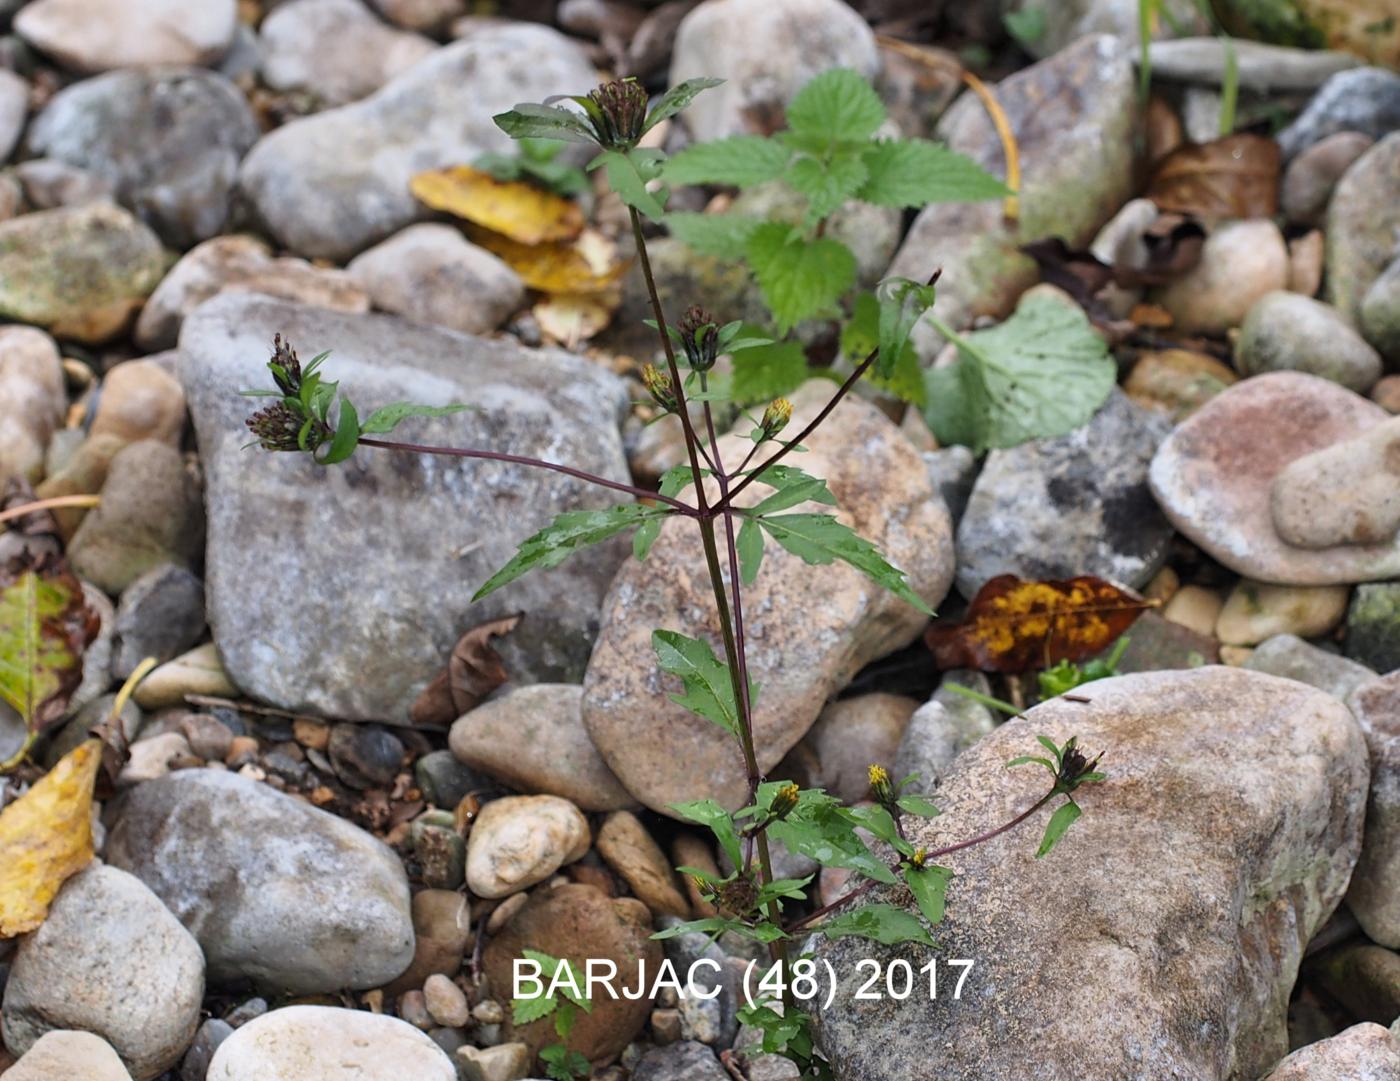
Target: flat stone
point(96, 35)
point(533, 739)
point(1366, 1052)
point(1363, 221)
point(664, 754)
point(1289, 656)
point(332, 184)
point(1364, 99)
point(64, 1056)
point(1258, 66)
point(276, 891)
point(1075, 504)
point(630, 850)
point(1214, 473)
point(1233, 804)
point(1255, 611)
point(1288, 332)
point(687, 1060)
point(414, 596)
point(140, 399)
point(1348, 493)
point(199, 671)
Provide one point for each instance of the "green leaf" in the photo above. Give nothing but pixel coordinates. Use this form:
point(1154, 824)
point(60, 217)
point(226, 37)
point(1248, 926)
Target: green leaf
point(676, 99)
point(928, 885)
point(861, 335)
point(750, 547)
point(710, 925)
point(952, 399)
point(525, 1010)
point(1059, 822)
point(709, 690)
point(347, 435)
point(918, 805)
point(673, 482)
point(800, 278)
point(916, 172)
point(625, 179)
point(531, 121)
point(740, 161)
point(389, 417)
point(902, 304)
point(708, 813)
point(1027, 26)
point(791, 487)
point(1027, 759)
point(837, 105)
point(720, 235)
point(820, 828)
point(765, 372)
point(821, 539)
point(1042, 373)
point(880, 823)
point(567, 534)
point(881, 923)
point(826, 184)
point(45, 624)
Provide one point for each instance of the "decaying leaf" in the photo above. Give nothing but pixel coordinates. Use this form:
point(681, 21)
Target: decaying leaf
point(570, 318)
point(1014, 625)
point(1233, 177)
point(473, 671)
point(512, 208)
point(45, 624)
point(46, 837)
point(588, 264)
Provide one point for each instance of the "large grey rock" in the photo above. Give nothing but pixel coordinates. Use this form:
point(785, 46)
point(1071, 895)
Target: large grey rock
point(660, 751)
point(1233, 806)
point(97, 35)
point(1074, 117)
point(1364, 99)
point(1258, 66)
point(1363, 224)
point(765, 51)
point(1289, 656)
point(1075, 504)
point(1379, 313)
point(275, 890)
point(167, 141)
point(109, 959)
point(1288, 332)
point(334, 183)
point(160, 615)
point(377, 611)
point(1365, 1052)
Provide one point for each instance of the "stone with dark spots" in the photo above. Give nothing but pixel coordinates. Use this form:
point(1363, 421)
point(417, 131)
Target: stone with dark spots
point(1373, 626)
point(1075, 504)
point(1363, 221)
point(1162, 936)
point(364, 755)
point(1365, 1052)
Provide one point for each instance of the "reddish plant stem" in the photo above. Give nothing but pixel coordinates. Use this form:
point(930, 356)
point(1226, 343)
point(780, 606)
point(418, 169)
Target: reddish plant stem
point(533, 463)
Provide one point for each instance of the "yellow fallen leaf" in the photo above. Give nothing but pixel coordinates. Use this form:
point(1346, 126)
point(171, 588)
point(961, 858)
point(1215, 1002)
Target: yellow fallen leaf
point(587, 265)
point(570, 318)
point(519, 211)
point(45, 838)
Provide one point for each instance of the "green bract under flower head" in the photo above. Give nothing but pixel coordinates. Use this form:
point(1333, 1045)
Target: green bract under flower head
point(699, 335)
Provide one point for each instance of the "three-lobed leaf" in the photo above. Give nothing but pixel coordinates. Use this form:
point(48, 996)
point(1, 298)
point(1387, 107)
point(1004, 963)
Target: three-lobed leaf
point(709, 688)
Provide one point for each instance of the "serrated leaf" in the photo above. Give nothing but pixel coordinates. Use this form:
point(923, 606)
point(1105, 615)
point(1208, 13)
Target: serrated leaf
point(820, 539)
point(800, 278)
point(525, 1010)
point(880, 923)
point(838, 104)
point(676, 99)
point(1059, 822)
point(750, 547)
point(531, 121)
point(45, 626)
point(513, 208)
point(567, 534)
point(388, 417)
point(708, 813)
point(709, 690)
point(765, 372)
point(627, 182)
point(916, 172)
point(720, 235)
point(826, 184)
point(739, 161)
point(929, 885)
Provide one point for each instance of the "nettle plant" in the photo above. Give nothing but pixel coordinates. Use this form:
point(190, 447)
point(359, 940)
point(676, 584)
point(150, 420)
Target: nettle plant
point(703, 490)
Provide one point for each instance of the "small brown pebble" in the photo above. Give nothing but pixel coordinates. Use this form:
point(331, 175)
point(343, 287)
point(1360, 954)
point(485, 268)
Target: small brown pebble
point(502, 913)
point(445, 1001)
point(311, 733)
point(241, 751)
point(413, 1008)
point(321, 795)
point(374, 1000)
point(1386, 393)
point(665, 1026)
point(489, 1012)
point(466, 812)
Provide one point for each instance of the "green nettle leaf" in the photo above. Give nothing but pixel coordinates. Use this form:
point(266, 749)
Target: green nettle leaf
point(826, 184)
point(838, 105)
point(769, 371)
point(821, 539)
point(567, 534)
point(525, 1010)
point(823, 830)
point(708, 813)
point(532, 121)
point(916, 172)
point(1041, 373)
point(347, 436)
point(709, 690)
point(904, 376)
point(676, 99)
point(740, 161)
point(1059, 822)
point(627, 181)
point(720, 235)
point(881, 923)
point(750, 547)
point(800, 278)
point(928, 885)
point(388, 417)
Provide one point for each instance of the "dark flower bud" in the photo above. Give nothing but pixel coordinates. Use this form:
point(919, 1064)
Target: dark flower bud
point(278, 427)
point(620, 115)
point(738, 898)
point(1074, 765)
point(700, 338)
point(285, 367)
point(784, 800)
point(776, 417)
point(658, 385)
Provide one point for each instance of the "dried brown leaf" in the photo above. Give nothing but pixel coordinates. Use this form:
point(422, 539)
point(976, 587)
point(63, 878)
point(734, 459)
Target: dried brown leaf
point(473, 671)
point(1236, 176)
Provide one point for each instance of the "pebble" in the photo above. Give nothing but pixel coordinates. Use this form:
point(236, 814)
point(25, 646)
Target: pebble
point(1258, 66)
point(1345, 494)
point(1196, 608)
point(440, 850)
point(365, 755)
point(426, 15)
point(197, 672)
point(32, 400)
point(852, 734)
point(48, 184)
point(1289, 656)
point(1255, 611)
point(630, 850)
point(520, 840)
point(160, 615)
point(1373, 626)
point(330, 185)
point(1240, 262)
point(140, 399)
point(444, 780)
point(153, 757)
point(1068, 505)
point(325, 1043)
point(413, 1008)
point(367, 53)
point(1365, 1052)
point(941, 729)
point(442, 931)
point(208, 737)
point(1306, 258)
point(1287, 332)
point(81, 272)
point(195, 1065)
point(97, 35)
point(1177, 381)
point(1374, 896)
point(766, 51)
point(319, 904)
point(167, 142)
point(1363, 221)
point(504, 1062)
point(688, 1060)
point(1380, 314)
point(533, 739)
point(242, 264)
point(1311, 177)
point(1363, 978)
point(432, 274)
point(111, 960)
point(14, 108)
point(446, 1002)
point(65, 1056)
point(1365, 100)
point(151, 514)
